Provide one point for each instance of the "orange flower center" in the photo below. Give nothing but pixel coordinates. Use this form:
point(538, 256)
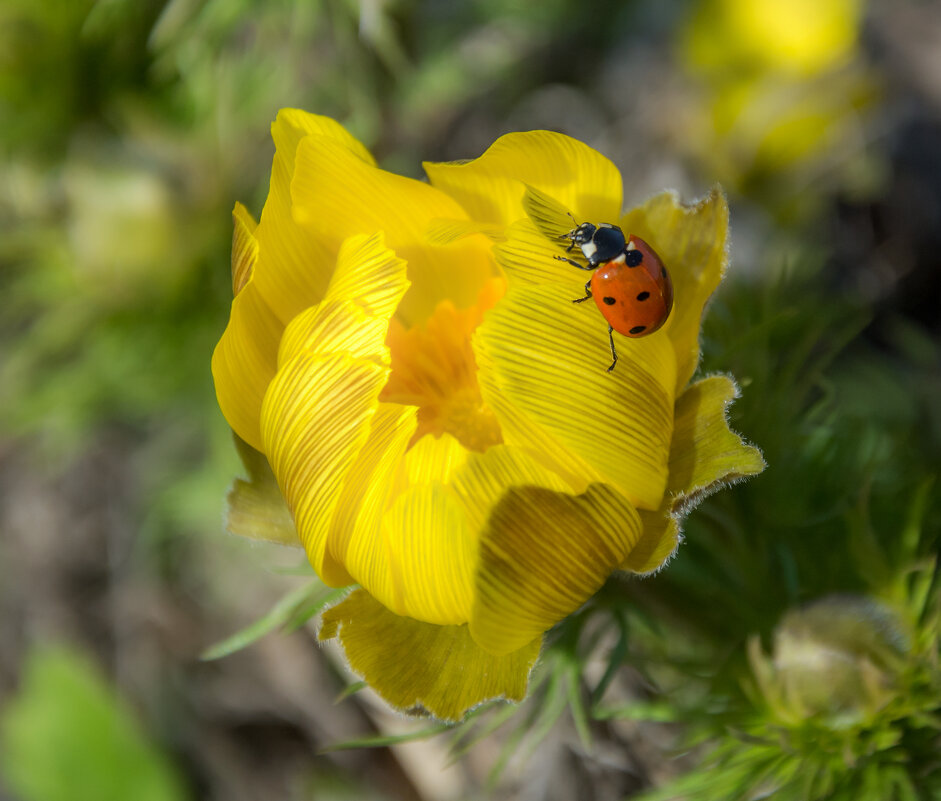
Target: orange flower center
point(433, 367)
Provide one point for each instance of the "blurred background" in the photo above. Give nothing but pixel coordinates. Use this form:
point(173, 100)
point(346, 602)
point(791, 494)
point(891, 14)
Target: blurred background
point(791, 648)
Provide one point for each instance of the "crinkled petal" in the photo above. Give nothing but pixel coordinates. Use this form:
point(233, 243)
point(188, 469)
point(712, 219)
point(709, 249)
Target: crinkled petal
point(491, 187)
point(542, 555)
point(484, 478)
point(315, 418)
point(447, 232)
point(432, 530)
point(369, 274)
point(659, 540)
point(245, 357)
point(540, 445)
point(548, 357)
point(692, 242)
point(528, 256)
point(333, 326)
point(335, 193)
point(295, 263)
point(420, 556)
point(429, 545)
point(549, 216)
point(415, 665)
point(434, 459)
point(294, 124)
point(255, 508)
point(318, 410)
point(357, 539)
point(432, 545)
point(704, 455)
point(363, 294)
point(244, 247)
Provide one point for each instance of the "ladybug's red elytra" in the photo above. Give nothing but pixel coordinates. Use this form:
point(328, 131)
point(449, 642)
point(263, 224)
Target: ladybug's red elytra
point(630, 285)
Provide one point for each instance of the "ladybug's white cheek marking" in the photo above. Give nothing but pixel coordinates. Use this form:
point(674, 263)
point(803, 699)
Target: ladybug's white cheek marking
point(619, 259)
point(631, 246)
point(589, 249)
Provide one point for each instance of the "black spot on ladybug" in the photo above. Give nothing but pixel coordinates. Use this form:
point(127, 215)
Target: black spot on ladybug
point(633, 257)
point(643, 295)
point(663, 271)
point(638, 328)
point(609, 301)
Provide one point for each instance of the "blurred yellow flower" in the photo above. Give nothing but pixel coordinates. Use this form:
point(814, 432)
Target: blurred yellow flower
point(782, 87)
point(436, 412)
point(795, 37)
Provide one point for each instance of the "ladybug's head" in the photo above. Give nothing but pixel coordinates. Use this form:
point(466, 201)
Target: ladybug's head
point(582, 234)
point(598, 243)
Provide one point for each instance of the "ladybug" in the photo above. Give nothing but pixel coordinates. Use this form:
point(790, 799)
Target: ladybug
point(631, 286)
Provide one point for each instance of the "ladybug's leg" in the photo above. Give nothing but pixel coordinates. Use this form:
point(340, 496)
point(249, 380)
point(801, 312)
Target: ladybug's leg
point(614, 353)
point(587, 292)
point(575, 263)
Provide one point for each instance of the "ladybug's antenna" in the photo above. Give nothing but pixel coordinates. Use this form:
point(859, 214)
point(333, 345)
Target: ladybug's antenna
point(569, 234)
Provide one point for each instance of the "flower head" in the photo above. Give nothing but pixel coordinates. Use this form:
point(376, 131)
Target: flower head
point(837, 660)
point(436, 411)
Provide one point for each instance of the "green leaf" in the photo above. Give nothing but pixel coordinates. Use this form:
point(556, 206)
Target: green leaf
point(67, 736)
point(467, 737)
point(384, 740)
point(656, 711)
point(577, 708)
point(291, 612)
point(350, 689)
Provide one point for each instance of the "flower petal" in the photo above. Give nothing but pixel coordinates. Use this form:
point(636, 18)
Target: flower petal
point(658, 541)
point(431, 531)
point(318, 409)
point(418, 556)
point(483, 479)
point(548, 358)
point(337, 194)
point(491, 187)
point(446, 232)
point(704, 455)
point(542, 555)
point(245, 358)
point(369, 274)
point(244, 247)
point(333, 327)
point(295, 263)
point(693, 243)
point(431, 545)
point(364, 292)
point(317, 413)
point(356, 536)
point(420, 665)
point(255, 508)
point(552, 218)
point(528, 256)
point(294, 124)
point(314, 420)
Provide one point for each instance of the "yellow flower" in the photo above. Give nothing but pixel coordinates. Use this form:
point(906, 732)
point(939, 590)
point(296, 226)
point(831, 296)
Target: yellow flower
point(795, 37)
point(436, 412)
point(781, 85)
